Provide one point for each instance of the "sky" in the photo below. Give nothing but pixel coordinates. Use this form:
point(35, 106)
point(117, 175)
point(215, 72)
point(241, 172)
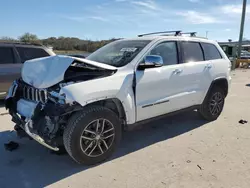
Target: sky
point(105, 19)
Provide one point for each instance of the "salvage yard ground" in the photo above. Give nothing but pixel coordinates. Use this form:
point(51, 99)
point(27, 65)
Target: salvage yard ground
point(179, 151)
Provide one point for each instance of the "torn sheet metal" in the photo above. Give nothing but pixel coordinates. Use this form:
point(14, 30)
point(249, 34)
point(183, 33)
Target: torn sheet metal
point(48, 71)
point(45, 72)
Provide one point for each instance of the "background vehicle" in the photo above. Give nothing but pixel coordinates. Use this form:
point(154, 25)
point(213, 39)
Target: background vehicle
point(86, 103)
point(244, 59)
point(12, 57)
point(244, 54)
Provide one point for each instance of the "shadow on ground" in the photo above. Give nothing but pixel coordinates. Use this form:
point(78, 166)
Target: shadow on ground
point(34, 166)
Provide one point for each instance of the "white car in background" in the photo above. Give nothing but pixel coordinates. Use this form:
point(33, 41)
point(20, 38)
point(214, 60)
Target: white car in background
point(84, 104)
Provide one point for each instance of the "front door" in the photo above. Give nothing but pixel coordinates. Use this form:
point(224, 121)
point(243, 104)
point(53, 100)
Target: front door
point(159, 90)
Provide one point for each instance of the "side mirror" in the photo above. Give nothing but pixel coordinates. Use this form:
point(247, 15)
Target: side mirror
point(151, 61)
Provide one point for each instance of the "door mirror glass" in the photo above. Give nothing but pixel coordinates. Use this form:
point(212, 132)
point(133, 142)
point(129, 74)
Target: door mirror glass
point(151, 61)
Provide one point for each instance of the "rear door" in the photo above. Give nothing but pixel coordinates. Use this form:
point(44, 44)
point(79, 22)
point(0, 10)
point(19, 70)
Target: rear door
point(215, 63)
point(9, 68)
point(196, 72)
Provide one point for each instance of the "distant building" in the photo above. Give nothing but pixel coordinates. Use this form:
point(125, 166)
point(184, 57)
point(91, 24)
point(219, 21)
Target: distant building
point(245, 44)
point(230, 47)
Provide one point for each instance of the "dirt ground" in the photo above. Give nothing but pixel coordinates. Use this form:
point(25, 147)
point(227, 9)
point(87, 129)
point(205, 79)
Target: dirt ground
point(179, 151)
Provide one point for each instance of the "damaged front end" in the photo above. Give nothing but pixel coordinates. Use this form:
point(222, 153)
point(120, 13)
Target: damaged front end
point(43, 112)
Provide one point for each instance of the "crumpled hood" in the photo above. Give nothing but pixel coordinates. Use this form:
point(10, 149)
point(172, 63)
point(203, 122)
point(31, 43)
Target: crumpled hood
point(48, 71)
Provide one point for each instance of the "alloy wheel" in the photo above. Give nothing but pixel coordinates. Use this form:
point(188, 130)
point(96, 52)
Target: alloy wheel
point(97, 137)
point(216, 103)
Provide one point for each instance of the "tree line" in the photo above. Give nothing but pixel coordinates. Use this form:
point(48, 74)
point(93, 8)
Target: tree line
point(61, 43)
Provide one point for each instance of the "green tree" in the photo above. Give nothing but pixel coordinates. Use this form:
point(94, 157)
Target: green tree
point(28, 37)
point(7, 39)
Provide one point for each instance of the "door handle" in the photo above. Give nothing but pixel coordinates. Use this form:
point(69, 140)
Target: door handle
point(208, 66)
point(177, 71)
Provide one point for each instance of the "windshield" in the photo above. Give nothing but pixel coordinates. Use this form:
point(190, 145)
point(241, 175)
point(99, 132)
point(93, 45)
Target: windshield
point(118, 53)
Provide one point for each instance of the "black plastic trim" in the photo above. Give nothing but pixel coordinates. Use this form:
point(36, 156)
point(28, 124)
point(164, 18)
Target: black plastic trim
point(148, 105)
point(213, 83)
point(179, 52)
point(131, 126)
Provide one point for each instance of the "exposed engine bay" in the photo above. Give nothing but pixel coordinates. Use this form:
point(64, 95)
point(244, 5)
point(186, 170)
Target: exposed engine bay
point(43, 112)
point(82, 72)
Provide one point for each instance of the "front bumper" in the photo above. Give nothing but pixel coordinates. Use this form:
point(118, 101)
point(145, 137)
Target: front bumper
point(23, 117)
point(22, 112)
point(26, 108)
point(37, 137)
point(26, 126)
point(31, 116)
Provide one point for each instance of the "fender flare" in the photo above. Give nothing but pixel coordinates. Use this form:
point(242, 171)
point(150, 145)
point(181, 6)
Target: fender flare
point(218, 81)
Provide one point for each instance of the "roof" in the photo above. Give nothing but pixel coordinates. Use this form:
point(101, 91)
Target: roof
point(159, 37)
point(20, 44)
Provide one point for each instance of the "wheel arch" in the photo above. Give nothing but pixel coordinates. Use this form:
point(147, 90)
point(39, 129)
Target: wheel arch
point(222, 83)
point(219, 82)
point(113, 104)
point(204, 109)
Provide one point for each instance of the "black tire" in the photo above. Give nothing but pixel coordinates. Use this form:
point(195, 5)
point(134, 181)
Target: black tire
point(80, 123)
point(207, 108)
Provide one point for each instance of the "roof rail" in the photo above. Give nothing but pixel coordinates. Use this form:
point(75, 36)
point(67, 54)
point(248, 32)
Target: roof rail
point(162, 32)
point(192, 34)
point(22, 43)
point(170, 33)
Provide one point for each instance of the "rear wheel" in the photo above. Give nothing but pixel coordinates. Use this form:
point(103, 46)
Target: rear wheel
point(92, 135)
point(213, 104)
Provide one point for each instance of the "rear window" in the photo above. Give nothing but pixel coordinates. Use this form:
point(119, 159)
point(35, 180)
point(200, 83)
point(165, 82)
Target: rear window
point(210, 51)
point(192, 52)
point(6, 55)
point(31, 53)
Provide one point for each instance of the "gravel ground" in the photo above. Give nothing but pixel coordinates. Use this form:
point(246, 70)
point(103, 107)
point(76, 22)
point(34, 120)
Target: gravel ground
point(179, 151)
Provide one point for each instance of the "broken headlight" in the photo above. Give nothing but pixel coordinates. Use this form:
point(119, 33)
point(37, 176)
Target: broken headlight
point(56, 97)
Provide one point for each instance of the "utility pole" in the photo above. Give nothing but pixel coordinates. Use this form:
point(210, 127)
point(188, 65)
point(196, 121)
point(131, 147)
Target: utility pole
point(206, 34)
point(241, 29)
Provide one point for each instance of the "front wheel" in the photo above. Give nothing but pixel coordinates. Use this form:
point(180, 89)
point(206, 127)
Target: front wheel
point(213, 104)
point(92, 135)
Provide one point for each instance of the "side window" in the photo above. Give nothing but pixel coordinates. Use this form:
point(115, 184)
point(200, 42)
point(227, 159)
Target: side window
point(210, 51)
point(6, 55)
point(192, 52)
point(168, 52)
point(31, 53)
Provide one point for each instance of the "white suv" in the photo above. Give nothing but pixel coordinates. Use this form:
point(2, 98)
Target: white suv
point(84, 104)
